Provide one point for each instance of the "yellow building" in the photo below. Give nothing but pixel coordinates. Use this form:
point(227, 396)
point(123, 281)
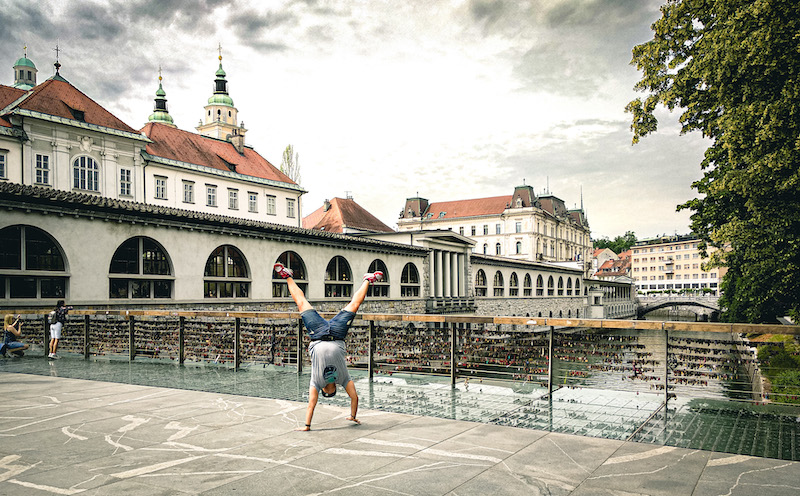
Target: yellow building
point(673, 263)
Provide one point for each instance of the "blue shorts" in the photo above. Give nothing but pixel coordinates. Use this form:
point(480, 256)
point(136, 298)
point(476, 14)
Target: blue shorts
point(319, 328)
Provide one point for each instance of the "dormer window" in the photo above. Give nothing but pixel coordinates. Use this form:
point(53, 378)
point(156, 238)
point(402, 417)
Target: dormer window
point(442, 214)
point(78, 115)
point(519, 202)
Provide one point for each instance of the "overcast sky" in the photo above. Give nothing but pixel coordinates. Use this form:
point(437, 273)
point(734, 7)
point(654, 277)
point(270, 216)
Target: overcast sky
point(447, 100)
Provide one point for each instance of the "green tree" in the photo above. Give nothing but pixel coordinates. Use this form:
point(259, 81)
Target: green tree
point(732, 66)
point(290, 164)
point(619, 244)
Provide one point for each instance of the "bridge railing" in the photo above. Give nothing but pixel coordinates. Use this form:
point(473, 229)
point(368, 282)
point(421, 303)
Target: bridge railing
point(673, 359)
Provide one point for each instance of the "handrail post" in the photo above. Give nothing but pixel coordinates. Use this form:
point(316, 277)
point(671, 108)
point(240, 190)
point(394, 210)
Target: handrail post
point(237, 329)
point(181, 339)
point(299, 346)
point(453, 344)
point(550, 363)
point(86, 334)
point(666, 368)
point(371, 348)
point(131, 337)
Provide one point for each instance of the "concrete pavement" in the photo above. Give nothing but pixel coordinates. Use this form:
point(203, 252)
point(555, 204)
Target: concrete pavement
point(73, 436)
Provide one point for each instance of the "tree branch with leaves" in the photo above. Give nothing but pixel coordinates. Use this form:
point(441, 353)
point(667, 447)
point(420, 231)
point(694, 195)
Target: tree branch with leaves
point(733, 68)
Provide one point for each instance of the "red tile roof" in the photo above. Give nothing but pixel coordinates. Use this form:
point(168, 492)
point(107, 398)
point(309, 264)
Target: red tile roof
point(59, 98)
point(7, 96)
point(184, 146)
point(343, 213)
point(469, 208)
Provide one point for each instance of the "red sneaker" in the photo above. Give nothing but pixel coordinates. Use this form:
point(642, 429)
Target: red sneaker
point(374, 277)
point(283, 271)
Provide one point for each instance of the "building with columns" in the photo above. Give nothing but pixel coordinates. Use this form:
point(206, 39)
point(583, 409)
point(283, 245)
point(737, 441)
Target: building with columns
point(54, 136)
point(521, 226)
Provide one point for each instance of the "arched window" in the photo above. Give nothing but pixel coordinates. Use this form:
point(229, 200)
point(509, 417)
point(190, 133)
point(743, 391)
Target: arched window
point(409, 281)
point(338, 279)
point(577, 287)
point(497, 250)
point(480, 283)
point(292, 261)
point(519, 247)
point(140, 268)
point(569, 286)
point(527, 289)
point(539, 285)
point(560, 286)
point(485, 248)
point(226, 274)
point(513, 285)
point(379, 289)
point(550, 287)
point(85, 174)
point(498, 283)
point(24, 249)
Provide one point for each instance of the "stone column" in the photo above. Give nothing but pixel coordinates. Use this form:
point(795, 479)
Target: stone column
point(445, 264)
point(462, 275)
point(437, 271)
point(454, 289)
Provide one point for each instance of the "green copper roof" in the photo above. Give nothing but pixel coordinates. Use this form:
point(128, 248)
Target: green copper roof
point(24, 61)
point(221, 99)
point(220, 72)
point(23, 86)
point(160, 116)
point(160, 91)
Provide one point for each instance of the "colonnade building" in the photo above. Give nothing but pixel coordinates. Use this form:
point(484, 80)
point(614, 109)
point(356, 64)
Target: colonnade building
point(521, 226)
point(104, 215)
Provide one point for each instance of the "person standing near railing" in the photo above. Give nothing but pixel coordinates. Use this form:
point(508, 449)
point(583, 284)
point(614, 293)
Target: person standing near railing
point(58, 319)
point(328, 355)
point(12, 330)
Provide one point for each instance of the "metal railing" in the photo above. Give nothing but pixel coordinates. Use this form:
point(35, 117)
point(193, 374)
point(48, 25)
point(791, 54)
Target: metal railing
point(670, 358)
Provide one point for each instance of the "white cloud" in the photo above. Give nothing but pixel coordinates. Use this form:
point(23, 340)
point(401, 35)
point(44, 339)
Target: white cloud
point(448, 100)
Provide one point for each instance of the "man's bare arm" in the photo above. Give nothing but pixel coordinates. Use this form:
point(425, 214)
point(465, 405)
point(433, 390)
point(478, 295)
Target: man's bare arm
point(313, 396)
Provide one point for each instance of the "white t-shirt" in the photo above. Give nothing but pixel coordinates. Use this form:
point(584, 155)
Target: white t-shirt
point(328, 364)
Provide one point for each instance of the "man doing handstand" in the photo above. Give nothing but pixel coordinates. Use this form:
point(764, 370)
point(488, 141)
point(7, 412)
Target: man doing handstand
point(328, 360)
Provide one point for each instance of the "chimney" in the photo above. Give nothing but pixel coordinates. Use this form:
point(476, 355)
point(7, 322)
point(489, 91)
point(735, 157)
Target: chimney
point(237, 140)
point(326, 206)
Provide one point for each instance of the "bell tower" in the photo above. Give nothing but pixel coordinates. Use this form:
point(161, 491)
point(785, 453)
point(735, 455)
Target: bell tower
point(221, 120)
point(24, 72)
point(160, 113)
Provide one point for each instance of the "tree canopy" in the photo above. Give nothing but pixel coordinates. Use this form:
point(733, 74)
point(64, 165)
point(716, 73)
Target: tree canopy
point(732, 66)
point(618, 244)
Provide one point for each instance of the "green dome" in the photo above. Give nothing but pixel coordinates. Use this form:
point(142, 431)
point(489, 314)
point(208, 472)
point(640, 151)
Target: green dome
point(220, 99)
point(160, 91)
point(160, 116)
point(220, 72)
point(24, 61)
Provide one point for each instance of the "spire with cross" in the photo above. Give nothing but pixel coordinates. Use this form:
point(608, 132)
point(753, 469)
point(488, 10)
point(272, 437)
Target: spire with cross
point(57, 64)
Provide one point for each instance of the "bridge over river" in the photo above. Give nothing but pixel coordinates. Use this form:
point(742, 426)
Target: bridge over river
point(705, 305)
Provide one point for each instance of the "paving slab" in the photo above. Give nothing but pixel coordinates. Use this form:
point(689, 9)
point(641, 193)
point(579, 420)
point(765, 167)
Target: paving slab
point(75, 436)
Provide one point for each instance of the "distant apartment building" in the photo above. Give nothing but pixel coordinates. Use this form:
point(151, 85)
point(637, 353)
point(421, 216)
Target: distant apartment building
point(672, 263)
point(520, 226)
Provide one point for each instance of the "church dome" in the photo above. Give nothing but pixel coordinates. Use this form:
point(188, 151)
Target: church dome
point(24, 62)
point(220, 99)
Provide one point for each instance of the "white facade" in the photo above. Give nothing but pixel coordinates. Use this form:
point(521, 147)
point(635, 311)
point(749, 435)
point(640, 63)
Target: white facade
point(673, 263)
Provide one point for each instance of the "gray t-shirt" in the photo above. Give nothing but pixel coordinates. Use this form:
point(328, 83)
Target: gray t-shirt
point(328, 364)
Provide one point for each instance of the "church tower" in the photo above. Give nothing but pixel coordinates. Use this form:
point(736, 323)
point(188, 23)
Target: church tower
point(160, 113)
point(24, 72)
point(221, 120)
